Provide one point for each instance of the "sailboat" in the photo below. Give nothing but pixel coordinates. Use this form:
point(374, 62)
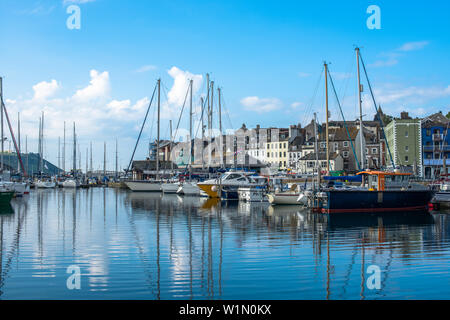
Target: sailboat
point(380, 191)
point(189, 187)
point(155, 184)
point(73, 183)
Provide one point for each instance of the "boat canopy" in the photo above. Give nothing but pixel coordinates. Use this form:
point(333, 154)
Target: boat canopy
point(384, 173)
point(343, 178)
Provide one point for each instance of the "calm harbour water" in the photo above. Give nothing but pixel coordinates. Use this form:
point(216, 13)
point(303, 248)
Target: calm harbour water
point(150, 246)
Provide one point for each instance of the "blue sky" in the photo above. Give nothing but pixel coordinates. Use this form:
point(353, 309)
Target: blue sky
point(267, 56)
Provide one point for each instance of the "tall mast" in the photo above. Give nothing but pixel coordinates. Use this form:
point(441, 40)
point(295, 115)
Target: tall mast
point(157, 135)
point(117, 161)
point(170, 146)
point(90, 164)
point(203, 132)
point(220, 109)
point(74, 152)
point(219, 91)
point(190, 130)
point(42, 143)
point(39, 145)
point(59, 154)
point(104, 158)
point(208, 101)
point(18, 132)
point(212, 108)
point(26, 152)
point(361, 130)
point(316, 149)
point(79, 157)
point(3, 140)
point(326, 111)
point(64, 150)
point(87, 154)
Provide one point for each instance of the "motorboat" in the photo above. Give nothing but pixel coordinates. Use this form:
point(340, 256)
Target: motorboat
point(70, 183)
point(45, 184)
point(252, 194)
point(442, 197)
point(226, 186)
point(188, 189)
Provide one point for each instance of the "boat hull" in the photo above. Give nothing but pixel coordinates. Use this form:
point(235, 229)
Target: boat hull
point(189, 189)
point(347, 201)
point(45, 185)
point(5, 198)
point(442, 198)
point(144, 186)
point(283, 198)
point(169, 187)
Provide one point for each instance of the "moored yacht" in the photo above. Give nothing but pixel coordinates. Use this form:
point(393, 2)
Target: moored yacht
point(382, 192)
point(227, 185)
point(144, 185)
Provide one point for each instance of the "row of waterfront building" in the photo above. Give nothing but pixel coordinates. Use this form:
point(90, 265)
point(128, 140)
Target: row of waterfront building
point(421, 146)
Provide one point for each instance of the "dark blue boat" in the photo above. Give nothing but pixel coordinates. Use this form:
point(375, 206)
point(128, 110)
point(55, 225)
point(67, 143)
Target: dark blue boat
point(378, 197)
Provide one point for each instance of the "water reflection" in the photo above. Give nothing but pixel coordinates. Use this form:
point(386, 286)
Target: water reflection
point(153, 246)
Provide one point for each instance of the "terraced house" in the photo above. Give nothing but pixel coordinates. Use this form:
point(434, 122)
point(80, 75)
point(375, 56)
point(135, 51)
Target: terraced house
point(435, 145)
point(404, 138)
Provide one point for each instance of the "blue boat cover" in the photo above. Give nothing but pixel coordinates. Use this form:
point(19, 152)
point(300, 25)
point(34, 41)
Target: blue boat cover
point(343, 178)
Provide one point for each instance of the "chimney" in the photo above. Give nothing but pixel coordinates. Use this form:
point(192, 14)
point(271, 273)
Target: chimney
point(404, 115)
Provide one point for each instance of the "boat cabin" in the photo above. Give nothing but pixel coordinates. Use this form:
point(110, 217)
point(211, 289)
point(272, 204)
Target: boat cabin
point(380, 180)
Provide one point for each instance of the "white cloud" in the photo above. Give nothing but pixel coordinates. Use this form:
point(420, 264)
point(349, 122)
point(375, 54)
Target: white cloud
point(145, 68)
point(385, 63)
point(99, 87)
point(177, 93)
point(44, 90)
point(411, 46)
point(295, 105)
point(261, 105)
point(304, 74)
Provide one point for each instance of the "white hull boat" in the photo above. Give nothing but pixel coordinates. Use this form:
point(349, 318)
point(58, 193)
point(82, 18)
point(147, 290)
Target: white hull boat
point(443, 196)
point(284, 198)
point(170, 187)
point(144, 185)
point(70, 183)
point(45, 184)
point(189, 189)
point(20, 188)
point(251, 194)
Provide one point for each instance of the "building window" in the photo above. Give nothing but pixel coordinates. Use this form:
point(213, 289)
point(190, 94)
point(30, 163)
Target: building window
point(406, 159)
point(406, 148)
point(428, 132)
point(345, 154)
point(406, 134)
point(284, 154)
point(268, 146)
point(345, 143)
point(284, 145)
point(367, 150)
point(281, 154)
point(374, 150)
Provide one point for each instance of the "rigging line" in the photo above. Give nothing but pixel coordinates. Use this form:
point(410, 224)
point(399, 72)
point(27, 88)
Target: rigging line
point(181, 113)
point(345, 123)
point(309, 110)
point(376, 109)
point(140, 132)
point(224, 106)
point(200, 120)
point(352, 66)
